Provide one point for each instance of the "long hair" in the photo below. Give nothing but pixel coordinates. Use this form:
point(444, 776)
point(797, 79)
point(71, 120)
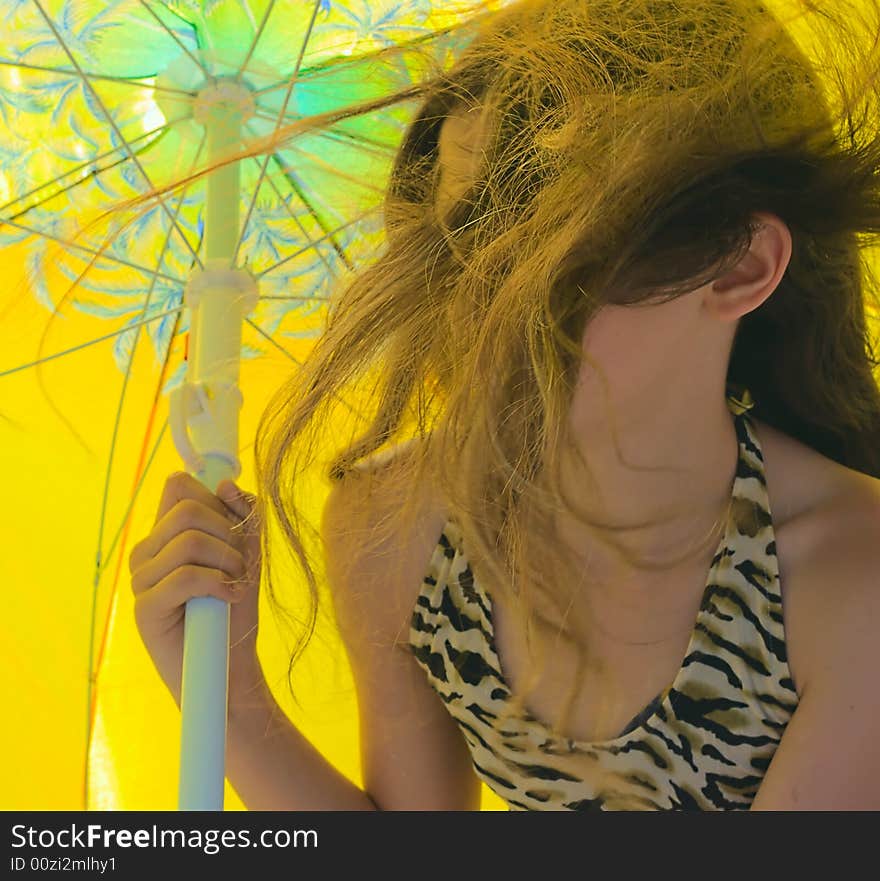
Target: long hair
point(629, 145)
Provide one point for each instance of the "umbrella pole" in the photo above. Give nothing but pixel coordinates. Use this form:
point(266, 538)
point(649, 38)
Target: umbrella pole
point(204, 425)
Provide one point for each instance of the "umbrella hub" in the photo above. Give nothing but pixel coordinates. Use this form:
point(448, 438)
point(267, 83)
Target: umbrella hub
point(223, 98)
point(189, 88)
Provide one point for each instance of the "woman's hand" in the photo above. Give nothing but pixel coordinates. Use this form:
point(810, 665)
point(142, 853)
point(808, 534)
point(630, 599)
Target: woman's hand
point(201, 544)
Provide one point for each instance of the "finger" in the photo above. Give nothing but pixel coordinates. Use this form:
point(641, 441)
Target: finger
point(235, 497)
point(246, 507)
point(244, 504)
point(185, 515)
point(181, 585)
point(181, 485)
point(190, 548)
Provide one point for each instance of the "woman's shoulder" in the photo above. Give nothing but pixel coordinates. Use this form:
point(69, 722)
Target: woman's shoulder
point(392, 456)
point(387, 524)
point(808, 490)
point(826, 522)
point(392, 483)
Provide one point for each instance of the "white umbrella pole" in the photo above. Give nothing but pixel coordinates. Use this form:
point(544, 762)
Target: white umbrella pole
point(204, 423)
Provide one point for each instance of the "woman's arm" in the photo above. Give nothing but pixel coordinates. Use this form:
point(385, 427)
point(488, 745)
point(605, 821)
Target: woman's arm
point(414, 756)
point(828, 758)
point(273, 767)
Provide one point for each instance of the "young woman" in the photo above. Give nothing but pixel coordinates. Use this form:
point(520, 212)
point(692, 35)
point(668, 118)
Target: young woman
point(628, 557)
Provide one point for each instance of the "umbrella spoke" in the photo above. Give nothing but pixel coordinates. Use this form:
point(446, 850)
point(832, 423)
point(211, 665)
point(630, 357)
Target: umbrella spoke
point(312, 243)
point(68, 187)
point(298, 189)
point(274, 342)
point(110, 259)
point(296, 220)
point(133, 498)
point(112, 122)
point(102, 560)
point(330, 168)
point(266, 89)
point(254, 42)
point(294, 75)
point(129, 81)
point(343, 137)
point(302, 51)
point(84, 165)
point(93, 342)
point(176, 39)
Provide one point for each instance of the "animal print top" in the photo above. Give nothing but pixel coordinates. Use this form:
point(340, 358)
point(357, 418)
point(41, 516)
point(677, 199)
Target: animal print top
point(703, 743)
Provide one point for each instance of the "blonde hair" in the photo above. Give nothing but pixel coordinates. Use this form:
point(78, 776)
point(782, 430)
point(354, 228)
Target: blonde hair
point(629, 144)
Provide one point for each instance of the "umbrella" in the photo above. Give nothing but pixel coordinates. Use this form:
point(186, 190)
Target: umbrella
point(104, 101)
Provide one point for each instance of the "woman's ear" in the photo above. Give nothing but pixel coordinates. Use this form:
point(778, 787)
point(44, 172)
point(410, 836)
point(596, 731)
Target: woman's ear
point(756, 276)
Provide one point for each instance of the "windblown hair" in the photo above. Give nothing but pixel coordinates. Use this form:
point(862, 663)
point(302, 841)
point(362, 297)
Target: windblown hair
point(629, 146)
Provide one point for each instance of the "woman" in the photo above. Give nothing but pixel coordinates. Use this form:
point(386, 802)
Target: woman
point(626, 559)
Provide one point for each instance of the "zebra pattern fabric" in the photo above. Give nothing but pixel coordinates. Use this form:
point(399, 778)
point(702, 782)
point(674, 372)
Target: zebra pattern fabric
point(704, 743)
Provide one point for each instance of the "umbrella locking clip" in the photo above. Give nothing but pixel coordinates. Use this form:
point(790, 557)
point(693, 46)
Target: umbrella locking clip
point(201, 405)
point(218, 298)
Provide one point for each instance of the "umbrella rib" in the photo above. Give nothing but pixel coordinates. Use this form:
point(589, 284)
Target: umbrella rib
point(312, 243)
point(274, 342)
point(329, 167)
point(302, 52)
point(129, 81)
point(60, 177)
point(296, 220)
point(285, 170)
point(374, 146)
point(287, 354)
point(176, 39)
point(256, 40)
point(148, 272)
point(161, 129)
point(71, 186)
point(297, 188)
point(112, 122)
point(109, 554)
point(265, 163)
point(335, 63)
point(101, 565)
point(93, 342)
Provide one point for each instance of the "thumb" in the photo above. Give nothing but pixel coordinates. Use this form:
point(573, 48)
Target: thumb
point(235, 498)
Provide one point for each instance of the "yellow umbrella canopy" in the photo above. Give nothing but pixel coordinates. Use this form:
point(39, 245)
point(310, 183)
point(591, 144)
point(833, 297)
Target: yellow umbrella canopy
point(97, 106)
point(101, 102)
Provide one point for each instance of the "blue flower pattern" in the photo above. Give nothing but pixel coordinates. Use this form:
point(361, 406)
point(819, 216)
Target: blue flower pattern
point(104, 141)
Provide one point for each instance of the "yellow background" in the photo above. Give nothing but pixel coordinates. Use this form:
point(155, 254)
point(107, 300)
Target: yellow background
point(52, 495)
